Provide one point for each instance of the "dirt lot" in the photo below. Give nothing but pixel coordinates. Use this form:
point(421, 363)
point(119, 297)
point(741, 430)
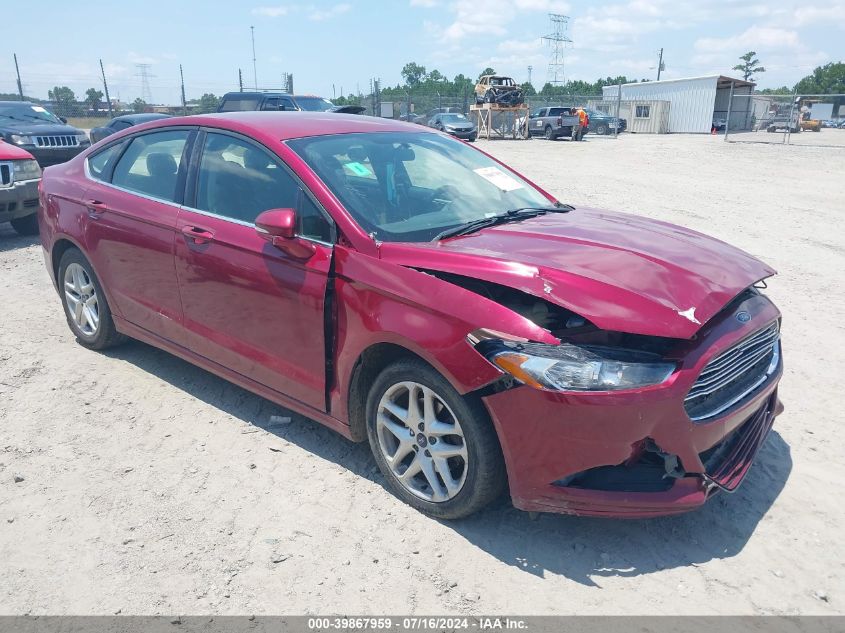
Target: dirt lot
point(150, 486)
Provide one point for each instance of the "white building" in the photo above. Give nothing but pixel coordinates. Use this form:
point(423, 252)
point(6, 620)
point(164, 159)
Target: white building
point(694, 103)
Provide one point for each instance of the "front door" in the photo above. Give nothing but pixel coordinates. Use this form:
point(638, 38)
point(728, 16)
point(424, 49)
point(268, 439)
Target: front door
point(247, 305)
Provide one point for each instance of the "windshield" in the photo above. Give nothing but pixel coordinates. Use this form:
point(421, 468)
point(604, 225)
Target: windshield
point(411, 186)
point(314, 104)
point(27, 112)
point(453, 118)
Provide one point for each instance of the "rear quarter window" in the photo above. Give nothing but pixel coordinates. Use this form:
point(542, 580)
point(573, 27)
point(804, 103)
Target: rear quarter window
point(98, 163)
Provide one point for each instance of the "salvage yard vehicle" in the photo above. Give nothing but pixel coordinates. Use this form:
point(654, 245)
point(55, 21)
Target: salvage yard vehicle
point(406, 289)
point(455, 124)
point(40, 132)
point(281, 102)
point(602, 123)
point(19, 176)
point(123, 122)
point(553, 122)
point(500, 90)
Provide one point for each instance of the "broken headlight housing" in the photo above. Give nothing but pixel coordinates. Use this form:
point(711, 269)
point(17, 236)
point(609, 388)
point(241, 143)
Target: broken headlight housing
point(568, 367)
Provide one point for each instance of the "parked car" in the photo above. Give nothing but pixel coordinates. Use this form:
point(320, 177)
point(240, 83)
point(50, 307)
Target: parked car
point(719, 124)
point(40, 132)
point(829, 123)
point(495, 89)
point(123, 122)
point(281, 101)
point(553, 122)
point(782, 122)
point(455, 124)
point(419, 119)
point(602, 123)
point(404, 288)
point(444, 110)
point(19, 176)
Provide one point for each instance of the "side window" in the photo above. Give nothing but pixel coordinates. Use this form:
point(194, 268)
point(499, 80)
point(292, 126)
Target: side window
point(270, 104)
point(312, 221)
point(150, 165)
point(99, 162)
point(286, 104)
point(239, 180)
point(120, 125)
point(643, 112)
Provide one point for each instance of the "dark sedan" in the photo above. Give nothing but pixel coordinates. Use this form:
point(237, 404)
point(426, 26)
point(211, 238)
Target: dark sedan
point(455, 124)
point(119, 123)
point(602, 123)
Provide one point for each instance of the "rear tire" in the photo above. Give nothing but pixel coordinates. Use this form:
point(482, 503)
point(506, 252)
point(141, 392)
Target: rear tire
point(86, 308)
point(418, 424)
point(601, 130)
point(27, 225)
point(549, 133)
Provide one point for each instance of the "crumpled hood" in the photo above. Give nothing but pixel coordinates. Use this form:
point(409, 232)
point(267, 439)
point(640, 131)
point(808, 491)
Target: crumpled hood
point(622, 272)
point(13, 152)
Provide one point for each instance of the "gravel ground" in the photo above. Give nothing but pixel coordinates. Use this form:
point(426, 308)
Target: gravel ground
point(133, 482)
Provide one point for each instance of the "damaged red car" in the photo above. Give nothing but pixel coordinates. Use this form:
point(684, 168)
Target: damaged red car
point(406, 289)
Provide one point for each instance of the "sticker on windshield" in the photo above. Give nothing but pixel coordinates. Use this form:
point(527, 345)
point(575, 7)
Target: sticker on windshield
point(498, 178)
point(358, 169)
point(38, 109)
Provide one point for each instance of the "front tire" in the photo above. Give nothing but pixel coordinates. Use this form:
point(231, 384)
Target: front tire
point(601, 130)
point(86, 308)
point(27, 225)
point(438, 450)
point(549, 133)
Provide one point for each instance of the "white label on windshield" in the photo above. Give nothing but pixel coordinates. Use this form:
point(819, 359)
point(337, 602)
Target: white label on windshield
point(499, 178)
point(38, 109)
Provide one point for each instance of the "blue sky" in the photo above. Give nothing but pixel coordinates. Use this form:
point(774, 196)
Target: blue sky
point(329, 45)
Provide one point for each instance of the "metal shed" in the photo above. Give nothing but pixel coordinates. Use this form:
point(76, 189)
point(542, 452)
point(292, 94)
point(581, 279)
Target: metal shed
point(694, 102)
point(642, 116)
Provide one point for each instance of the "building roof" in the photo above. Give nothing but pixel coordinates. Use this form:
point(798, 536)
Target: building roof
point(721, 81)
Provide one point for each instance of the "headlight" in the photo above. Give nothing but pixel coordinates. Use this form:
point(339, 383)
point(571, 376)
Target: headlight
point(18, 139)
point(82, 138)
point(26, 170)
point(568, 367)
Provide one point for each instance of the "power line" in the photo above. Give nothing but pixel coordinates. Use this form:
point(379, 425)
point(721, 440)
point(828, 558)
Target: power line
point(558, 40)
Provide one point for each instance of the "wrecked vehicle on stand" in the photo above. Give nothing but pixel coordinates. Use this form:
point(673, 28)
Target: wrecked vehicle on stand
point(499, 90)
point(406, 289)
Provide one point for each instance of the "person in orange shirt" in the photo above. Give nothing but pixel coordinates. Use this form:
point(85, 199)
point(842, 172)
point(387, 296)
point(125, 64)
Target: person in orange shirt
point(583, 121)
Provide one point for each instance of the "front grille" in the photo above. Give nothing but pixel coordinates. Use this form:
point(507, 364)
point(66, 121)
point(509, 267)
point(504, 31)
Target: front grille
point(734, 374)
point(64, 140)
point(5, 174)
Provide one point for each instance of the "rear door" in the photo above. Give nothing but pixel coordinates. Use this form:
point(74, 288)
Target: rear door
point(247, 305)
point(133, 204)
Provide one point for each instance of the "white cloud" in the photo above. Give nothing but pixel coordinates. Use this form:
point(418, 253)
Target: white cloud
point(136, 58)
point(328, 14)
point(758, 38)
point(271, 12)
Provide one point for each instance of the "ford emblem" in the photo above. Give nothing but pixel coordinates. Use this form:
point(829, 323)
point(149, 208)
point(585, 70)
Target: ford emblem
point(743, 317)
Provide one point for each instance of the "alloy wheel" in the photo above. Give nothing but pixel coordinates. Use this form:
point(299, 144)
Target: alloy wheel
point(81, 298)
point(422, 442)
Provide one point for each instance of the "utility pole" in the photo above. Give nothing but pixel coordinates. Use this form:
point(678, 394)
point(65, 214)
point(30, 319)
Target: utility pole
point(660, 64)
point(254, 67)
point(182, 79)
point(106, 88)
point(530, 68)
point(18, 72)
point(240, 80)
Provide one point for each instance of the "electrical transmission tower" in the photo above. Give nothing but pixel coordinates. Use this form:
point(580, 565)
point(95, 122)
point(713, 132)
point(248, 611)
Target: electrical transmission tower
point(557, 40)
point(144, 74)
point(530, 68)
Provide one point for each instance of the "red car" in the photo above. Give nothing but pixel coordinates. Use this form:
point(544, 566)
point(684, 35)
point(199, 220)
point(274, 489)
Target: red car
point(19, 176)
point(404, 288)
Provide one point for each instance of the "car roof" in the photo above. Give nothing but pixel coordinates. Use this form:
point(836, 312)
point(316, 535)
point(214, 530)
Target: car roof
point(142, 116)
point(253, 94)
point(289, 125)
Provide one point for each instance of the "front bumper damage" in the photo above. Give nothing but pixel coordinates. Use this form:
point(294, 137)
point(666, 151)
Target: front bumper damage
point(636, 454)
point(18, 200)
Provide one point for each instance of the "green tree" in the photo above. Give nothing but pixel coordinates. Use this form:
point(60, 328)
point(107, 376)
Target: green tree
point(139, 105)
point(62, 95)
point(435, 75)
point(93, 97)
point(208, 103)
point(750, 66)
point(487, 71)
point(783, 90)
point(827, 79)
point(528, 89)
point(413, 74)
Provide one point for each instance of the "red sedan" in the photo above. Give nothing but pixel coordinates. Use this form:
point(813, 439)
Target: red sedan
point(404, 288)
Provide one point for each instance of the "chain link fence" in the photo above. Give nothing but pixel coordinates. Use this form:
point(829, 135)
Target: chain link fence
point(796, 119)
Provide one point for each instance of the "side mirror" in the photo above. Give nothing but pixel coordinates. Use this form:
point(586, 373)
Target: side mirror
point(278, 226)
point(62, 119)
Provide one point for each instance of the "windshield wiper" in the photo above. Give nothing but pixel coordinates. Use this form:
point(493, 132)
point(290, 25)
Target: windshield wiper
point(514, 215)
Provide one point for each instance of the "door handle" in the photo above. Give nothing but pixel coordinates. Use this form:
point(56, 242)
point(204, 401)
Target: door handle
point(95, 209)
point(197, 235)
